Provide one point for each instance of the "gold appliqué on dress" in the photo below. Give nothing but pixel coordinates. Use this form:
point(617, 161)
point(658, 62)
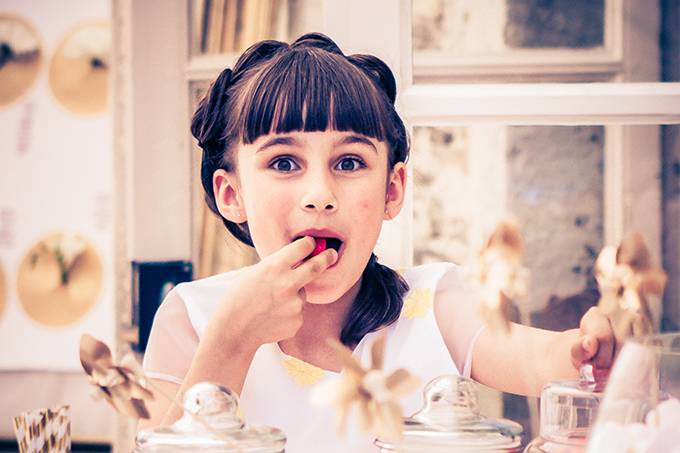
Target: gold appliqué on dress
point(417, 303)
point(302, 372)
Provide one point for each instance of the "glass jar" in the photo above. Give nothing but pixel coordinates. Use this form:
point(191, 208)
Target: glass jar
point(450, 422)
point(640, 412)
point(568, 411)
point(210, 424)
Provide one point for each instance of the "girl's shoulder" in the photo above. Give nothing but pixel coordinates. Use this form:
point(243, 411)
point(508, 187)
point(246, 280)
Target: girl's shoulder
point(207, 285)
point(201, 297)
point(432, 285)
point(436, 276)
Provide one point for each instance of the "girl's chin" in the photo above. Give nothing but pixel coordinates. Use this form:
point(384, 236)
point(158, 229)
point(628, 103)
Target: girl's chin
point(323, 293)
point(321, 296)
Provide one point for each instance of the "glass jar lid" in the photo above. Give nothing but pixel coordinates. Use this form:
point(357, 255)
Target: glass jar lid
point(451, 422)
point(569, 408)
point(211, 424)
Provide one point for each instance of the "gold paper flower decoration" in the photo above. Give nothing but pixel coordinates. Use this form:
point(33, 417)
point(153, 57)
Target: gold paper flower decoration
point(501, 275)
point(627, 278)
point(122, 386)
point(370, 392)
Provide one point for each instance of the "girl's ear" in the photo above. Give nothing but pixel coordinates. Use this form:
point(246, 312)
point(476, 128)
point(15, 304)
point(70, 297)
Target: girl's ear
point(396, 187)
point(227, 196)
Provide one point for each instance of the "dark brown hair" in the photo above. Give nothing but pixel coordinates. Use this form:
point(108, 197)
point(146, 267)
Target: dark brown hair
point(309, 85)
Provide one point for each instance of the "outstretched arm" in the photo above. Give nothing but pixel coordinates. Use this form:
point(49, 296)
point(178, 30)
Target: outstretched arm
point(527, 358)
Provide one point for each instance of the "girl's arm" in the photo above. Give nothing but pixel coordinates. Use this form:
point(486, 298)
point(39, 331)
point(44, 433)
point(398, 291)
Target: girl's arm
point(159, 406)
point(218, 359)
point(524, 360)
point(263, 305)
point(527, 358)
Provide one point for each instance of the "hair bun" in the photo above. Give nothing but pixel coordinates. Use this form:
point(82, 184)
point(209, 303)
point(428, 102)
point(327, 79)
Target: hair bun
point(207, 124)
point(260, 51)
point(378, 70)
point(317, 41)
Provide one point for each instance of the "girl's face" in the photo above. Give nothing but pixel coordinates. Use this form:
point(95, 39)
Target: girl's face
point(327, 184)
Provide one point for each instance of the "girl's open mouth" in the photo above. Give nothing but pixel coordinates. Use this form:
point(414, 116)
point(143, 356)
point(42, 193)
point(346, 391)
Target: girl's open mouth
point(323, 243)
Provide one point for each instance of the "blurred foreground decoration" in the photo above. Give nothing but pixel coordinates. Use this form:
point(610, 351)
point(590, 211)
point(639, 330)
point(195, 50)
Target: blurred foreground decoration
point(44, 430)
point(123, 385)
point(372, 391)
point(627, 279)
point(501, 275)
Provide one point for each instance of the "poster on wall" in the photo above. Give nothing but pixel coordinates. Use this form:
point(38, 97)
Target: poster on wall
point(56, 182)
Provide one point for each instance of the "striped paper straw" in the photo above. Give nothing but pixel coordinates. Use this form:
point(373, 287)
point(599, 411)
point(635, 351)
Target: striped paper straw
point(43, 431)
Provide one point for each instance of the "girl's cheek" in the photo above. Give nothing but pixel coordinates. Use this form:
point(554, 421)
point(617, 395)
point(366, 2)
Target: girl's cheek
point(370, 207)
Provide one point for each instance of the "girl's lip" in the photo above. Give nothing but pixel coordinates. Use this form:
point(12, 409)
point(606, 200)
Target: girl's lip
point(325, 232)
point(320, 232)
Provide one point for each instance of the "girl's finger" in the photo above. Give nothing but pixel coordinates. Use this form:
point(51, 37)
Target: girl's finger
point(598, 326)
point(583, 350)
point(313, 267)
point(290, 255)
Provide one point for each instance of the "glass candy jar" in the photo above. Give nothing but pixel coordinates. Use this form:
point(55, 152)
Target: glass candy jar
point(218, 430)
point(450, 422)
point(640, 412)
point(568, 411)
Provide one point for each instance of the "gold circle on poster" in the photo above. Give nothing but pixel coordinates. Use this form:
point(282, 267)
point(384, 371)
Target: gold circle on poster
point(80, 68)
point(20, 57)
point(3, 293)
point(45, 295)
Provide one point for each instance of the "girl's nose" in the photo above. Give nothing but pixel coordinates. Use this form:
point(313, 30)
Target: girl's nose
point(329, 207)
point(319, 197)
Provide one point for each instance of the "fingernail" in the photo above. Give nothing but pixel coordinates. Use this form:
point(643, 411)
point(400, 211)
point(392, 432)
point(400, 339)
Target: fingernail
point(587, 343)
point(332, 253)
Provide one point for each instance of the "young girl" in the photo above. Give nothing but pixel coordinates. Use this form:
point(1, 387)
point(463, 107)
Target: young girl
point(303, 158)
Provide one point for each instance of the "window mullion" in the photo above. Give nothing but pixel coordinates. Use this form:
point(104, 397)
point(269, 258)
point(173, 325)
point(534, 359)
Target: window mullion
point(568, 104)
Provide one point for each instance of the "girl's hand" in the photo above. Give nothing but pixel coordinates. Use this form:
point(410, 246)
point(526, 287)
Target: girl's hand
point(264, 302)
point(596, 342)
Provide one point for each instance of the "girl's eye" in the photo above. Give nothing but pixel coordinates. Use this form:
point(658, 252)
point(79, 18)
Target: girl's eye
point(350, 164)
point(284, 164)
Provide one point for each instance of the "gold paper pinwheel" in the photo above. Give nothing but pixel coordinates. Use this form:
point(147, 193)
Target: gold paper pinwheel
point(627, 278)
point(501, 275)
point(370, 392)
point(123, 386)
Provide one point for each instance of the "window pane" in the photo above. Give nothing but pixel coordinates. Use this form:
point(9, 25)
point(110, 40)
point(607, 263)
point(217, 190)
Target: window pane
point(554, 24)
point(487, 27)
point(549, 178)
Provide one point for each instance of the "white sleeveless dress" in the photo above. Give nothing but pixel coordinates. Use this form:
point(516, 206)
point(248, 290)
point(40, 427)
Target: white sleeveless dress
point(277, 386)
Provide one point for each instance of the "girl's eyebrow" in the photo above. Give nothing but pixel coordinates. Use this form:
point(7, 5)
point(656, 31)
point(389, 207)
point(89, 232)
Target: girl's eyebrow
point(350, 139)
point(292, 141)
point(289, 141)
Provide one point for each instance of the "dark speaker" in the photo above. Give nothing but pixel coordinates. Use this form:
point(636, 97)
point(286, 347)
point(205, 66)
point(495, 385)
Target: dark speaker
point(151, 282)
